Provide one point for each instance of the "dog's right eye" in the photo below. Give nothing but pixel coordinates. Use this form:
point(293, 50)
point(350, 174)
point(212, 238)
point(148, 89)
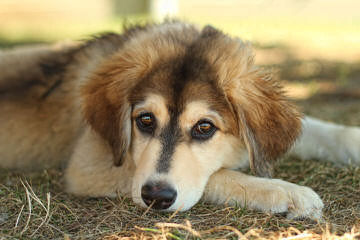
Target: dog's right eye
point(146, 122)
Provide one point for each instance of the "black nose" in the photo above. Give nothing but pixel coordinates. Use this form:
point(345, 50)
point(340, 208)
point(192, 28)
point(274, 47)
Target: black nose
point(159, 194)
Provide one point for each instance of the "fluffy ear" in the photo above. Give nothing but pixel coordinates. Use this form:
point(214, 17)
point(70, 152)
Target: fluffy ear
point(105, 102)
point(268, 123)
point(111, 121)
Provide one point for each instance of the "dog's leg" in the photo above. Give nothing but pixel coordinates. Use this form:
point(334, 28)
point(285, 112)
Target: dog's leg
point(91, 170)
point(327, 141)
point(267, 195)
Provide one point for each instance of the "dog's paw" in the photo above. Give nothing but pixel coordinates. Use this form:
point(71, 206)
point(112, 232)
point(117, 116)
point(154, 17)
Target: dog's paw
point(263, 194)
point(305, 203)
point(296, 201)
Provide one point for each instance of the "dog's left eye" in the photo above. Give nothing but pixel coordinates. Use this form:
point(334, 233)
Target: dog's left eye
point(203, 130)
point(146, 122)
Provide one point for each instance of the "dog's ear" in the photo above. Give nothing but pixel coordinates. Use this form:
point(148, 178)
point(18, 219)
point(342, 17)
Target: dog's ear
point(268, 122)
point(105, 103)
point(110, 119)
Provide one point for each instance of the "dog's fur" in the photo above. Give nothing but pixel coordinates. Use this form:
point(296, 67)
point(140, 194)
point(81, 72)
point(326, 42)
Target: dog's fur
point(81, 102)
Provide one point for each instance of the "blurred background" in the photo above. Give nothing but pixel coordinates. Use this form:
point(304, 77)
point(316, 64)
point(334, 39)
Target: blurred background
point(314, 45)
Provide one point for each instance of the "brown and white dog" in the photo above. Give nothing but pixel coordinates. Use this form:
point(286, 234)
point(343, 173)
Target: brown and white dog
point(165, 114)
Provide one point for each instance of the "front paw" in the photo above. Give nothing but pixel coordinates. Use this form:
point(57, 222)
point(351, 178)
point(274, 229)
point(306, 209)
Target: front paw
point(277, 196)
point(305, 202)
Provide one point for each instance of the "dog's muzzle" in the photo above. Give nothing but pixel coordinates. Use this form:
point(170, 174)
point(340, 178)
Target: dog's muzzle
point(158, 195)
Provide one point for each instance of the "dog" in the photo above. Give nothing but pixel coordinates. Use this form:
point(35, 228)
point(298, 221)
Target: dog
point(165, 113)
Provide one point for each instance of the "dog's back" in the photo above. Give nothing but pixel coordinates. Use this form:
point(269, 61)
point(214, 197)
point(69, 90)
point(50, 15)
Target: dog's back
point(37, 115)
point(40, 113)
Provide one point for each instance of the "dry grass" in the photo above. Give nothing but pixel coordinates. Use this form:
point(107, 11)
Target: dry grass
point(35, 206)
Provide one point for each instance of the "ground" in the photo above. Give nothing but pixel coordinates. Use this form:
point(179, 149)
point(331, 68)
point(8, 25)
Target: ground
point(35, 206)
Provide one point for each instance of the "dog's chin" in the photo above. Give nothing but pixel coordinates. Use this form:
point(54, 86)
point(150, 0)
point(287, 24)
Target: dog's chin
point(185, 202)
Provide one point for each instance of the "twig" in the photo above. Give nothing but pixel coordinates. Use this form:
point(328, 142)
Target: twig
point(18, 217)
point(29, 207)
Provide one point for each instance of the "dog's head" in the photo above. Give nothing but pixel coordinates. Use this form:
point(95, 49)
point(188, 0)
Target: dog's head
point(184, 103)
